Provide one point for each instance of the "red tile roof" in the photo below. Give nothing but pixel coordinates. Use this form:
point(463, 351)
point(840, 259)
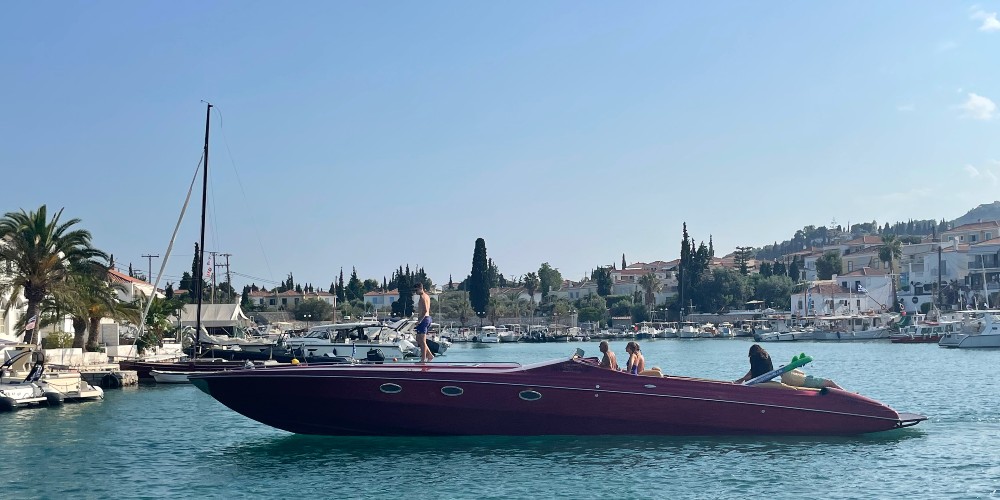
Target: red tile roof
point(124, 278)
point(974, 226)
point(866, 240)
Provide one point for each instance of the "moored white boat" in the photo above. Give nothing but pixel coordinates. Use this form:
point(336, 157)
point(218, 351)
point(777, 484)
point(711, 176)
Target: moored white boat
point(488, 335)
point(172, 377)
point(688, 331)
point(981, 330)
point(355, 340)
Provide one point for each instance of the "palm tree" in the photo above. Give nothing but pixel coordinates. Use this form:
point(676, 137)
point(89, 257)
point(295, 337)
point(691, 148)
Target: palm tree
point(650, 285)
point(156, 322)
point(531, 284)
point(40, 255)
point(891, 251)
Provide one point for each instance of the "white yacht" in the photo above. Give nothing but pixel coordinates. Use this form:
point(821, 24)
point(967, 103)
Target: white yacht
point(981, 329)
point(354, 340)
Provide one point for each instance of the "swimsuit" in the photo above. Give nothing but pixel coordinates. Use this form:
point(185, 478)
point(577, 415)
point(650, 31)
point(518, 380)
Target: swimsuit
point(424, 326)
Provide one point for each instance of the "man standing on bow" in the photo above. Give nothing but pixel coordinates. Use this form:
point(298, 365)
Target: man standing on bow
point(424, 326)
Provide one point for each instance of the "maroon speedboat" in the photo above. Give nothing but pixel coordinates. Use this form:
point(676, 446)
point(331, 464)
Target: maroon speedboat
point(560, 397)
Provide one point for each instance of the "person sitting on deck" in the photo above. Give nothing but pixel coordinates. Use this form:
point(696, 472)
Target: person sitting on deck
point(760, 363)
point(636, 363)
point(608, 360)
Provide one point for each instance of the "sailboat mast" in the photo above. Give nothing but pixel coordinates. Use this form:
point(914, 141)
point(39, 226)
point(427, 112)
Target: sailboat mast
point(201, 248)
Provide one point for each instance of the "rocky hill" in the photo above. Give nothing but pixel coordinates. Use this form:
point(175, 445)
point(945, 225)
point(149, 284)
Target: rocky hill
point(986, 211)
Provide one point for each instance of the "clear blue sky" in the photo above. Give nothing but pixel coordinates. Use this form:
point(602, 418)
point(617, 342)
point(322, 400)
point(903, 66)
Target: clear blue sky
point(375, 134)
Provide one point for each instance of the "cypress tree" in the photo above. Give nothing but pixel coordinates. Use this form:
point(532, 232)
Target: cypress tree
point(405, 282)
point(682, 277)
point(479, 291)
point(623, 262)
point(340, 288)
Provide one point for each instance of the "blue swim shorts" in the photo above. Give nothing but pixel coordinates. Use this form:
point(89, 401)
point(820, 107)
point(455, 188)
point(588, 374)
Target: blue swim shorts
point(424, 326)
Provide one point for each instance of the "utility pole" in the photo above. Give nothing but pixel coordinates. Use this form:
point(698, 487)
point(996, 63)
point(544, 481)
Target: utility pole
point(229, 279)
point(150, 258)
point(213, 275)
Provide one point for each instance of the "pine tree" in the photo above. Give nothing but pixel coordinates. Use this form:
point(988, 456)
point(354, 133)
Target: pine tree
point(168, 292)
point(355, 290)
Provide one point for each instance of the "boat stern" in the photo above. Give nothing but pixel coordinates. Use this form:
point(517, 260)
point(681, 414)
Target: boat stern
point(909, 419)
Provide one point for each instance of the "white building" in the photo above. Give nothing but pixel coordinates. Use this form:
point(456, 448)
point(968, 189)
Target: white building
point(861, 291)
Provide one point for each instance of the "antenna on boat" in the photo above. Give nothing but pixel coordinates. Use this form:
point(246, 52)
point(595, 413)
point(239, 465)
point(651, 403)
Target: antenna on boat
point(201, 248)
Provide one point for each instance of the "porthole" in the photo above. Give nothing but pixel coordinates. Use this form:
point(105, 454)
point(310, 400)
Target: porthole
point(390, 388)
point(450, 390)
point(530, 395)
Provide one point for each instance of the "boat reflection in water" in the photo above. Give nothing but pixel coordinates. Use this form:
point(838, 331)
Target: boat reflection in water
point(560, 397)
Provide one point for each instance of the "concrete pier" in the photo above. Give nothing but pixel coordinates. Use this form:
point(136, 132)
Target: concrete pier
point(110, 378)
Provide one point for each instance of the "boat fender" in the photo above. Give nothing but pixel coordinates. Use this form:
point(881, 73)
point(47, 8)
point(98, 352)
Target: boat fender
point(53, 399)
point(7, 404)
point(110, 381)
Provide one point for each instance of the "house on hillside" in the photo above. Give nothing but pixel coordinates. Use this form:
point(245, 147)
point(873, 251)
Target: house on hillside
point(129, 289)
point(973, 233)
point(287, 300)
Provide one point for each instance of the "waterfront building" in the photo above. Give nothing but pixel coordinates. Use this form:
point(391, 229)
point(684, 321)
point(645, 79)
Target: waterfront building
point(860, 291)
point(972, 233)
point(263, 300)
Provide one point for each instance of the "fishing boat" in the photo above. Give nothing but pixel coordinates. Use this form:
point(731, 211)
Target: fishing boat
point(854, 327)
point(560, 397)
point(929, 332)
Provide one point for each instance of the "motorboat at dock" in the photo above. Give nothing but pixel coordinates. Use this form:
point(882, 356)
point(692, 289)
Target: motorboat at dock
point(560, 397)
point(25, 382)
point(352, 339)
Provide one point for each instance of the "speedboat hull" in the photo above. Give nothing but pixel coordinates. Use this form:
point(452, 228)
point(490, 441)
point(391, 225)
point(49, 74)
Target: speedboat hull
point(562, 397)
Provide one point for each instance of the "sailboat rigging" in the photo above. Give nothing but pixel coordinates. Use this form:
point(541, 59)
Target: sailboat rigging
point(147, 369)
point(201, 248)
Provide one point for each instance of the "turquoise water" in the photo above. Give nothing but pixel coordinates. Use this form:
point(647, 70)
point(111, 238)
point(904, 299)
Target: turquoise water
point(174, 441)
